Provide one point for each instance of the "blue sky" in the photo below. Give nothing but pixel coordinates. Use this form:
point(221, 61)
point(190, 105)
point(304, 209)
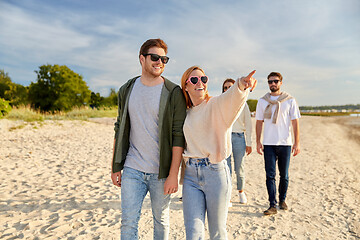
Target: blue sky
point(314, 44)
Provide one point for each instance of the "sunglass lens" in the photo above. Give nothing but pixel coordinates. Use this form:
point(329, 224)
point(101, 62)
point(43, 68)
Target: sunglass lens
point(154, 57)
point(204, 79)
point(273, 81)
point(194, 80)
point(165, 59)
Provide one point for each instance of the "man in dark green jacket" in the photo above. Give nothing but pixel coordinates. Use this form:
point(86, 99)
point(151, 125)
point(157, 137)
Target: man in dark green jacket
point(149, 142)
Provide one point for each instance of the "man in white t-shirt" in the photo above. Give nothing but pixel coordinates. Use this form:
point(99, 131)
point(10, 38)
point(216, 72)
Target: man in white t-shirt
point(277, 110)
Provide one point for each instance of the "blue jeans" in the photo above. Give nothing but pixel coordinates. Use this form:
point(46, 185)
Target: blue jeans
point(206, 189)
point(134, 187)
point(238, 150)
point(282, 155)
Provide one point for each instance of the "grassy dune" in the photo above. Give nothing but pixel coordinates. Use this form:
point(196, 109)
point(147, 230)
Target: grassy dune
point(30, 115)
point(326, 114)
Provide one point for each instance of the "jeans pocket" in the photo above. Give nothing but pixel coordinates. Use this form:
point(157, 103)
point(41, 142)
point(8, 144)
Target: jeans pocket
point(217, 166)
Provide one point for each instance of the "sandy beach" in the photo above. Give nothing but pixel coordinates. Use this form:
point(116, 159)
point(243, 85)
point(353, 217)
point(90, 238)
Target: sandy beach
point(55, 184)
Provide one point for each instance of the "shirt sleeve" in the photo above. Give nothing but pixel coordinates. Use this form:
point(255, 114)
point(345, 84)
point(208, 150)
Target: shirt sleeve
point(294, 110)
point(259, 110)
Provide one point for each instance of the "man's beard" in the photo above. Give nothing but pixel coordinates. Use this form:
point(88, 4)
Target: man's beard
point(274, 89)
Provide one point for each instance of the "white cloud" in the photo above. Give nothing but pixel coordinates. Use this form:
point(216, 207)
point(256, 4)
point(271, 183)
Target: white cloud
point(310, 43)
point(29, 35)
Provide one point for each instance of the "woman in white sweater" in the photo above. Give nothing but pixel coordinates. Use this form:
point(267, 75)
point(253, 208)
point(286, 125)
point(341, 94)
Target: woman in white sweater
point(241, 143)
point(207, 130)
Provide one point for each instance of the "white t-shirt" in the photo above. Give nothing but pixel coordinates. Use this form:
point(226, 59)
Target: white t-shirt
point(279, 133)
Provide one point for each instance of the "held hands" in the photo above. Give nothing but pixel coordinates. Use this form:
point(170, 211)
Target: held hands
point(249, 81)
point(171, 185)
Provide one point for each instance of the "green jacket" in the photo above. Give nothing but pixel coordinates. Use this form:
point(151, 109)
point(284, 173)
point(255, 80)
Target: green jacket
point(172, 113)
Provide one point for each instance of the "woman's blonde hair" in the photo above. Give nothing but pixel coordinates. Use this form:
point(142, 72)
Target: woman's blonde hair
point(184, 78)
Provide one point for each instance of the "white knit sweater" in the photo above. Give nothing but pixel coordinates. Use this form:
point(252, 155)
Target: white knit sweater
point(207, 127)
point(243, 124)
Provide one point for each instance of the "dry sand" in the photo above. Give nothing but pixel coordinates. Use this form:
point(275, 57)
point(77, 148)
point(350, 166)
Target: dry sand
point(55, 184)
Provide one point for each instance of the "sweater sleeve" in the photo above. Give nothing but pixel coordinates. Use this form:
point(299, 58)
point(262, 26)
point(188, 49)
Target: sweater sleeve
point(248, 125)
point(230, 103)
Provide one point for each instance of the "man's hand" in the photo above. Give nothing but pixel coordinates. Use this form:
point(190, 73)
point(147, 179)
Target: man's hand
point(116, 178)
point(259, 148)
point(249, 81)
point(171, 185)
point(295, 149)
point(248, 150)
point(296, 128)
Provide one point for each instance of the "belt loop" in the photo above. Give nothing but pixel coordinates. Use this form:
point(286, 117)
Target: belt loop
point(207, 161)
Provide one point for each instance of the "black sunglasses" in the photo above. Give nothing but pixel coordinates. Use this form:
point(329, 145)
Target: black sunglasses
point(275, 81)
point(154, 57)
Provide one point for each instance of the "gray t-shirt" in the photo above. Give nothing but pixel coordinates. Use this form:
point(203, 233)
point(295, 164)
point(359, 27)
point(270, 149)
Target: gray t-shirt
point(144, 102)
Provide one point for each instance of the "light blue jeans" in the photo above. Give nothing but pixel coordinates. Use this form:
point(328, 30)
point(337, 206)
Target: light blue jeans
point(206, 189)
point(134, 187)
point(238, 150)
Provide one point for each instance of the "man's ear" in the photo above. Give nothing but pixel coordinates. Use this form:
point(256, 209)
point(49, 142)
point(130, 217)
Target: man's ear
point(141, 59)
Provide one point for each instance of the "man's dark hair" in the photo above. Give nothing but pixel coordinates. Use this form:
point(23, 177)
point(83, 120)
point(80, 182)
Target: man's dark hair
point(152, 43)
point(275, 74)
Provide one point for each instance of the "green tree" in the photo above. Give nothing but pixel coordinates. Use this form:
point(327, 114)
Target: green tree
point(15, 94)
point(58, 88)
point(252, 104)
point(112, 99)
point(18, 95)
point(5, 107)
point(96, 100)
point(5, 83)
